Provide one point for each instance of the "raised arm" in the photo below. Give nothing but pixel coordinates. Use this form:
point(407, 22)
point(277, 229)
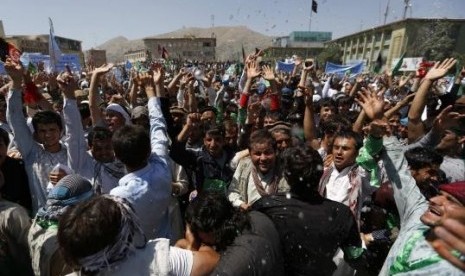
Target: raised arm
point(395, 109)
point(95, 112)
point(408, 198)
point(23, 136)
point(175, 81)
point(133, 89)
point(415, 125)
point(158, 134)
point(268, 74)
point(78, 158)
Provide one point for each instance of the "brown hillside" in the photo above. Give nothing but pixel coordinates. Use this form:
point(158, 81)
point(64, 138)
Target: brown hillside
point(229, 41)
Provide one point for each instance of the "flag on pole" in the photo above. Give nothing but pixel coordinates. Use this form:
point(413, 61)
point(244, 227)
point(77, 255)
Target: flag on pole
point(53, 49)
point(378, 63)
point(314, 6)
point(396, 68)
point(164, 53)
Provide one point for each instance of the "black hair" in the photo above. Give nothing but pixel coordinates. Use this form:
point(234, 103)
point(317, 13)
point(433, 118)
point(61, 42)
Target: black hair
point(350, 134)
point(326, 102)
point(4, 136)
point(344, 100)
point(98, 133)
point(420, 157)
point(87, 228)
point(334, 124)
point(131, 144)
point(262, 136)
point(212, 212)
point(46, 117)
point(274, 115)
point(213, 129)
point(84, 110)
point(303, 168)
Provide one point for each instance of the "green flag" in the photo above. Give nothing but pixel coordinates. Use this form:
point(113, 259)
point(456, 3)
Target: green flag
point(396, 68)
point(378, 63)
point(31, 68)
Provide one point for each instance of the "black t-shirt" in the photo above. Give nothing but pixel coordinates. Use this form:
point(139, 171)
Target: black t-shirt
point(255, 252)
point(311, 231)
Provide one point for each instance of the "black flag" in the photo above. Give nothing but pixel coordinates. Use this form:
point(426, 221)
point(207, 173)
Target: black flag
point(314, 6)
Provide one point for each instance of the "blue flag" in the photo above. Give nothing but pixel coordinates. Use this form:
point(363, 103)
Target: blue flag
point(128, 65)
point(283, 66)
point(339, 69)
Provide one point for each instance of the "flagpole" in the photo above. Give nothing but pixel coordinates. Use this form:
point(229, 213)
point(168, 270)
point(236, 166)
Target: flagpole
point(310, 18)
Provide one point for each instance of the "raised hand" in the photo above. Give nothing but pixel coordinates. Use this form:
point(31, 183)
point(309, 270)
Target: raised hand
point(193, 119)
point(14, 70)
point(67, 83)
point(186, 78)
point(440, 69)
point(308, 68)
point(105, 68)
point(158, 74)
point(446, 119)
point(451, 236)
point(252, 70)
point(146, 80)
point(372, 103)
point(268, 73)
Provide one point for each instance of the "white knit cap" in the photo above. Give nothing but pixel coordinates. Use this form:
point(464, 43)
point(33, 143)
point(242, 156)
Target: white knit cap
point(118, 108)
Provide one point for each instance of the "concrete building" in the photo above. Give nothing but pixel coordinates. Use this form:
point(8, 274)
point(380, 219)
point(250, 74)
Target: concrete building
point(393, 39)
point(2, 31)
point(193, 48)
point(301, 43)
point(141, 55)
point(39, 44)
point(96, 57)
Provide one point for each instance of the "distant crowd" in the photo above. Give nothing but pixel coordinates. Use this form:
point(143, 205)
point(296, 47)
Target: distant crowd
point(233, 168)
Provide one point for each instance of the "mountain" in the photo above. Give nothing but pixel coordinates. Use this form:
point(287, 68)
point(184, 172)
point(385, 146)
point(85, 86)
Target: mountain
point(229, 41)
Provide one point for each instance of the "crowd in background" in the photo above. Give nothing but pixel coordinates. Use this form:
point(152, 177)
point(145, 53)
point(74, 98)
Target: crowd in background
point(193, 168)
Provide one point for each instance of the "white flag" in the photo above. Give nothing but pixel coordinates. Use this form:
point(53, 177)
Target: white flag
point(53, 49)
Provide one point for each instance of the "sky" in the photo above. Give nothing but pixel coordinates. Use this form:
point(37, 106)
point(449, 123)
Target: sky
point(96, 21)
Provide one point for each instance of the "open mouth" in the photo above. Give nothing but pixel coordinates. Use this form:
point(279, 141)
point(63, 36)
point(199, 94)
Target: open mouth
point(434, 211)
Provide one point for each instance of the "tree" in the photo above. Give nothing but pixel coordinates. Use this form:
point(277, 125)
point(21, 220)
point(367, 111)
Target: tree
point(332, 53)
point(435, 40)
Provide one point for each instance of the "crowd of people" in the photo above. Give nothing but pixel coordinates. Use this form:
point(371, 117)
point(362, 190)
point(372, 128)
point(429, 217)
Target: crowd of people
point(191, 168)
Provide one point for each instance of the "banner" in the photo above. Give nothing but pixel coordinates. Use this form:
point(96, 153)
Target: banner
point(284, 66)
point(72, 60)
point(408, 64)
point(338, 69)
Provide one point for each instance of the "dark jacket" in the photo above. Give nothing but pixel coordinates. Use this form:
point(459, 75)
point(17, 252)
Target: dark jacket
point(16, 188)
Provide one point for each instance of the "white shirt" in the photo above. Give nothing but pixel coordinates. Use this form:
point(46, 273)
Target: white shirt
point(454, 168)
point(338, 186)
point(252, 192)
point(156, 258)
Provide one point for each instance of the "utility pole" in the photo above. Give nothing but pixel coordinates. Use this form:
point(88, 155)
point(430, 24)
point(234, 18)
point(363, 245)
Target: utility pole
point(386, 13)
point(407, 5)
